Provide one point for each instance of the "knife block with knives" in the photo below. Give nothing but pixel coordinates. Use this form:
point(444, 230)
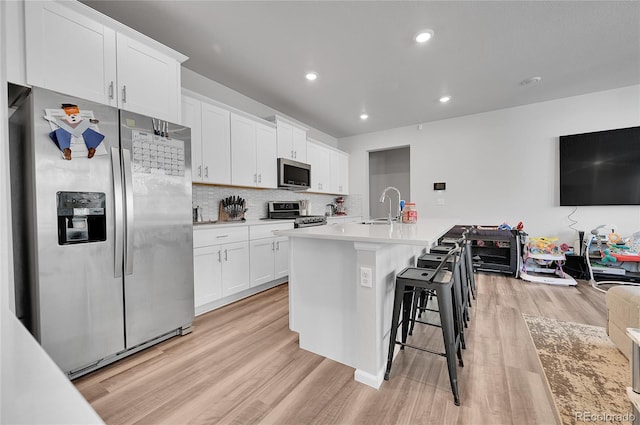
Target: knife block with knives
point(232, 208)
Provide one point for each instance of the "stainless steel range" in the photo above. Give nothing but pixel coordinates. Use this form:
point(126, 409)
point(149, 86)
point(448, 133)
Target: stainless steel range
point(291, 210)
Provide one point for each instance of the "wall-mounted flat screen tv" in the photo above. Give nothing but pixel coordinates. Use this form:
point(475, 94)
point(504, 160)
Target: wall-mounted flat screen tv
point(600, 168)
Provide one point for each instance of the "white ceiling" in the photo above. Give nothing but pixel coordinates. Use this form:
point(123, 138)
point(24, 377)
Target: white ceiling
point(367, 60)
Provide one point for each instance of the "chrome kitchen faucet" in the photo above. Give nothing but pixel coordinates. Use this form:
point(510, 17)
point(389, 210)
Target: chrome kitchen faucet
point(382, 198)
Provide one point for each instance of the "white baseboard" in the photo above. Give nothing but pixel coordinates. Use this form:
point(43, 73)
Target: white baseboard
point(369, 379)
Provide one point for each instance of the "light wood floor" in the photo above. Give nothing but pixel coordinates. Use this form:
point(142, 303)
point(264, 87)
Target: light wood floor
point(242, 365)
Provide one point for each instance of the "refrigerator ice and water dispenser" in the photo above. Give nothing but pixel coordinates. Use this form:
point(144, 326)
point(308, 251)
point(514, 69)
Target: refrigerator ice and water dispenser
point(81, 217)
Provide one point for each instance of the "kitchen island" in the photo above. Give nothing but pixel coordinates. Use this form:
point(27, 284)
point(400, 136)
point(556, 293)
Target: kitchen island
point(341, 287)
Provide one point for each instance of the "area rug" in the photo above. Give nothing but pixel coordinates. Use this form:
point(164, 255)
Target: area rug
point(586, 373)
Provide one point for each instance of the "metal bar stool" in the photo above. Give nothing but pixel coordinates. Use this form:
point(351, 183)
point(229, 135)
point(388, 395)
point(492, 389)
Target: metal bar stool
point(469, 263)
point(409, 283)
point(469, 271)
point(431, 260)
point(420, 303)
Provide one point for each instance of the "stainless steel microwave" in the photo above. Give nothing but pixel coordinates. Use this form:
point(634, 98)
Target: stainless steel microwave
point(293, 175)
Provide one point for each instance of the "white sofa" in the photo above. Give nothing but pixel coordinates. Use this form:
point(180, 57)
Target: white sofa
point(623, 311)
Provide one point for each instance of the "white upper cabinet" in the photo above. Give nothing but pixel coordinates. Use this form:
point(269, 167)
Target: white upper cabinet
point(253, 153)
point(216, 144)
point(329, 169)
point(72, 49)
point(319, 159)
point(70, 53)
point(339, 172)
point(266, 156)
point(292, 140)
point(243, 151)
point(210, 141)
point(299, 144)
point(148, 81)
point(192, 118)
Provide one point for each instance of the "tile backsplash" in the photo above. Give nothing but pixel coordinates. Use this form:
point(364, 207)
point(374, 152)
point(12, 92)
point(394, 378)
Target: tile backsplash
point(209, 197)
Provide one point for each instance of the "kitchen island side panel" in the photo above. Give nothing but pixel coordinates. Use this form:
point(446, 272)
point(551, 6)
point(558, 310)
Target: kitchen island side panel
point(322, 297)
point(335, 315)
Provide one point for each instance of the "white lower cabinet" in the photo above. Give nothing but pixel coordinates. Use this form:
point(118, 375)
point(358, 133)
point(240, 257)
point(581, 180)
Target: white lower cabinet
point(269, 254)
point(262, 260)
point(233, 259)
point(235, 273)
point(220, 259)
point(207, 274)
point(281, 268)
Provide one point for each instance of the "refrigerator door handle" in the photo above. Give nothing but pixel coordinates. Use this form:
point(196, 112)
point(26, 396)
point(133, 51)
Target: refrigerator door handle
point(128, 192)
point(118, 211)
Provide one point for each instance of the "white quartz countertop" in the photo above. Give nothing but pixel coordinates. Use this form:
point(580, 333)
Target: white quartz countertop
point(218, 224)
point(34, 389)
point(423, 233)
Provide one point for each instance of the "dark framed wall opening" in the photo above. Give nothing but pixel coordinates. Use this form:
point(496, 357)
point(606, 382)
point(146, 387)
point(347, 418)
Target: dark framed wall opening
point(389, 167)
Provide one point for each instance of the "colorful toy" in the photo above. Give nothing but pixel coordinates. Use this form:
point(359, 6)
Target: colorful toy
point(614, 238)
point(607, 257)
point(543, 245)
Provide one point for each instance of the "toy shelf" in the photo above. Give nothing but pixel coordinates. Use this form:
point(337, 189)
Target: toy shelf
point(600, 272)
point(492, 250)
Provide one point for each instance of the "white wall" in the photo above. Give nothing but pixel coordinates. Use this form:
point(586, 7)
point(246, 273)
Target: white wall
point(216, 91)
point(503, 165)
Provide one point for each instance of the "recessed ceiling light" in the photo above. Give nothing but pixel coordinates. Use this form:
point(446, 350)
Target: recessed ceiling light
point(445, 99)
point(364, 116)
point(424, 36)
point(311, 76)
point(532, 80)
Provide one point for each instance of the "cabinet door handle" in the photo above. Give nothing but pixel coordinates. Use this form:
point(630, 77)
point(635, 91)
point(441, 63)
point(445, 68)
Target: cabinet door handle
point(260, 178)
point(226, 258)
point(273, 246)
point(295, 154)
point(199, 170)
point(278, 246)
point(124, 94)
point(206, 171)
point(111, 90)
point(255, 178)
point(292, 154)
point(219, 256)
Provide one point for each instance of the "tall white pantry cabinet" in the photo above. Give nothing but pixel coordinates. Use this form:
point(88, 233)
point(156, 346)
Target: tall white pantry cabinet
point(73, 49)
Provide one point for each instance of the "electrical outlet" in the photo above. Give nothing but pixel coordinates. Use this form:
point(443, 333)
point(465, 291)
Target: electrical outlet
point(440, 201)
point(366, 279)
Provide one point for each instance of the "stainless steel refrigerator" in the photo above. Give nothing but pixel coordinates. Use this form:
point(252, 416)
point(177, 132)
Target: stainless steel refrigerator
point(103, 246)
